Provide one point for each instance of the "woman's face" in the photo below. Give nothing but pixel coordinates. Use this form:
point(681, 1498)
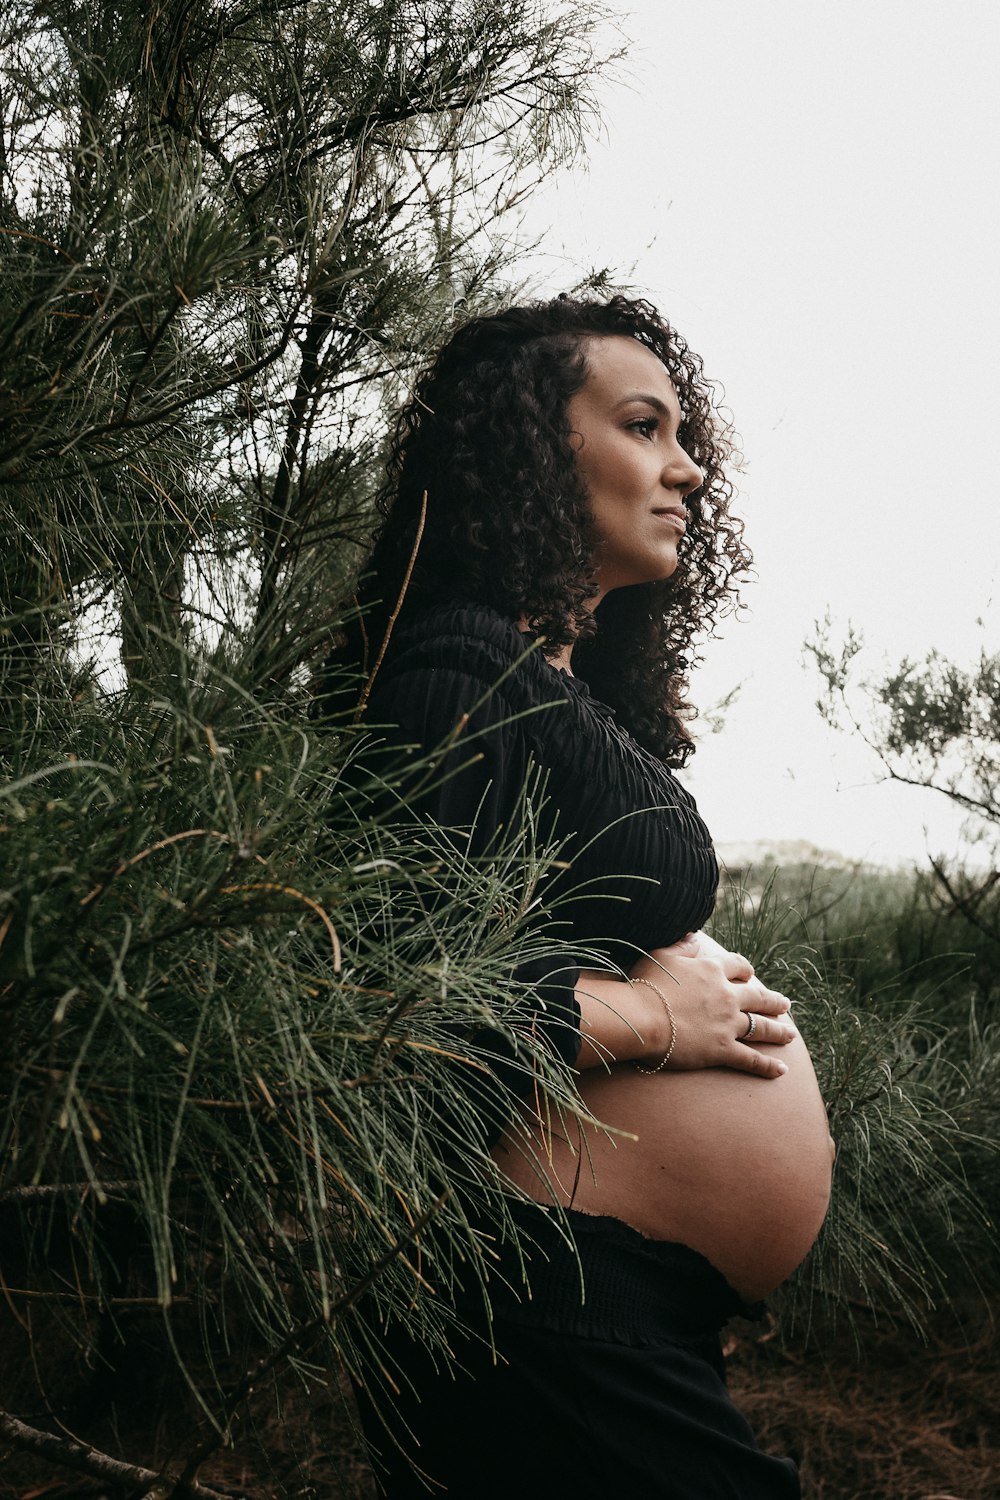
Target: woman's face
point(624, 423)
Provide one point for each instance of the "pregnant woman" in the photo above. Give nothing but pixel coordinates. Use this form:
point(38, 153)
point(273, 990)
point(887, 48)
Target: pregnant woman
point(557, 527)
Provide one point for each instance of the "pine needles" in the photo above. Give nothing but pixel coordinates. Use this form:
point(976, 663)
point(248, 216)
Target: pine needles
point(230, 1080)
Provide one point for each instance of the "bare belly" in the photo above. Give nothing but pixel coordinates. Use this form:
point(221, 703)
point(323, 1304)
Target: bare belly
point(736, 1167)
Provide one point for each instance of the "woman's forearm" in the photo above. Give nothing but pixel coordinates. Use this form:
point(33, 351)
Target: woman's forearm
point(619, 1022)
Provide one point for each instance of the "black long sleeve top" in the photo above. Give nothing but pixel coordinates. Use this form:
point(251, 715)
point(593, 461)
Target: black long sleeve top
point(636, 865)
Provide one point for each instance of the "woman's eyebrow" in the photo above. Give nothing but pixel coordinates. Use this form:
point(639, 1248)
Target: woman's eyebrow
point(653, 401)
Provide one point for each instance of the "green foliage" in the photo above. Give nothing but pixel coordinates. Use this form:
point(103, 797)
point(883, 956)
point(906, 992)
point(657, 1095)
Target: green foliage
point(939, 721)
point(243, 1020)
point(227, 232)
point(887, 933)
point(232, 1086)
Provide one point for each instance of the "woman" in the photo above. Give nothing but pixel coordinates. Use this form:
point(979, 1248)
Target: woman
point(557, 528)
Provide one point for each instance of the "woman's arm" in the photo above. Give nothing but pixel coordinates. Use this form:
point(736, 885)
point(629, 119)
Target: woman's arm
point(711, 994)
point(479, 787)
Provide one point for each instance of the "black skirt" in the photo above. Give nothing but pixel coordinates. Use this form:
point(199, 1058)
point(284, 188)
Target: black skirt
point(605, 1384)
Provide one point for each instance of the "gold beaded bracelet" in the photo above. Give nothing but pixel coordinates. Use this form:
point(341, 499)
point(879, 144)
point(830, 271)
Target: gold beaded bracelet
point(673, 1029)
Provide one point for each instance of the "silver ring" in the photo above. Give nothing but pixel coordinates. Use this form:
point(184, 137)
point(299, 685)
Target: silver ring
point(751, 1028)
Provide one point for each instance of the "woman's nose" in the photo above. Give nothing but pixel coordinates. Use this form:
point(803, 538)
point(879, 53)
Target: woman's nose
point(682, 473)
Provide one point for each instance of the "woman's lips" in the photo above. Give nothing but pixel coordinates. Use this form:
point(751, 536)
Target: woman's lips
point(675, 515)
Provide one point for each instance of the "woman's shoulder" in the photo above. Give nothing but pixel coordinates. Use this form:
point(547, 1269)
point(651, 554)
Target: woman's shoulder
point(468, 665)
point(467, 640)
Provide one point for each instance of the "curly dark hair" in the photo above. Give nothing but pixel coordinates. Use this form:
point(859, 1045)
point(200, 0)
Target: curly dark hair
point(485, 434)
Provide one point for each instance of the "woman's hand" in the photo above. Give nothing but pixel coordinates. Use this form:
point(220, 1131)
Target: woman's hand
point(713, 995)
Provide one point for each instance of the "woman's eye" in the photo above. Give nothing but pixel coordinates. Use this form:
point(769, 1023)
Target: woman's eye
point(646, 425)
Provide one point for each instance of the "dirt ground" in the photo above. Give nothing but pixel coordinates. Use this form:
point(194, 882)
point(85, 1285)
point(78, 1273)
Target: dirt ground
point(904, 1422)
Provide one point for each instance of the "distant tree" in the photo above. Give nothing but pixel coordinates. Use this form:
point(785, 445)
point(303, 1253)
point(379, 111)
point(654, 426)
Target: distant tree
point(936, 725)
point(228, 231)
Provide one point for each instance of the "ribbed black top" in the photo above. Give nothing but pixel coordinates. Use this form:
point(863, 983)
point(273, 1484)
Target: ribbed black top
point(641, 868)
point(637, 1289)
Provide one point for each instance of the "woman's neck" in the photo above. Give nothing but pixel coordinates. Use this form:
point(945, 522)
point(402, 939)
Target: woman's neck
point(564, 660)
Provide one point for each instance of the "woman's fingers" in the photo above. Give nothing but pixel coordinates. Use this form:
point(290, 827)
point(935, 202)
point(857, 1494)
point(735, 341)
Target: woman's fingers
point(762, 1029)
point(762, 1064)
point(736, 967)
point(746, 1056)
point(765, 1002)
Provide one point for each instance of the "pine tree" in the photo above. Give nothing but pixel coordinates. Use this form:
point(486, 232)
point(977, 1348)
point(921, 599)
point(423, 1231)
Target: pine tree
point(228, 231)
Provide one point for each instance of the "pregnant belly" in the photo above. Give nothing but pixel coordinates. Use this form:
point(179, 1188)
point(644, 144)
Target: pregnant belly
point(736, 1167)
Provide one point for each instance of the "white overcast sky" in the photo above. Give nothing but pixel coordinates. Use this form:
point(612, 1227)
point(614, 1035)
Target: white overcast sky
point(809, 191)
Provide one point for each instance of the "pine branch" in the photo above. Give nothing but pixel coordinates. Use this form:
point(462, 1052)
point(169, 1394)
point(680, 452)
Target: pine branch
point(166, 412)
point(274, 518)
point(300, 1337)
point(34, 1193)
point(69, 1453)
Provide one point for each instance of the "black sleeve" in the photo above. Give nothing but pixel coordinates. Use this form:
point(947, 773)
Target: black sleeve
point(474, 793)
